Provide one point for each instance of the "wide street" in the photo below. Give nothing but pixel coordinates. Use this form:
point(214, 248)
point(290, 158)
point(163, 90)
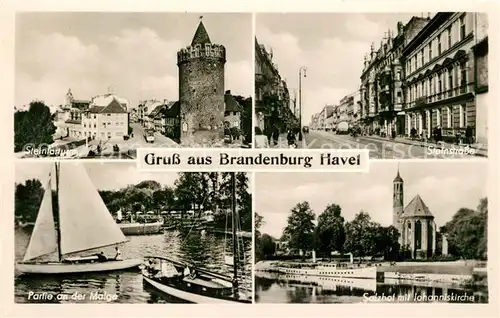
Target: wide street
point(379, 148)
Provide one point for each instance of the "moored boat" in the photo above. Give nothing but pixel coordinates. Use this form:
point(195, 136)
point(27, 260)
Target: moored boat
point(328, 269)
point(141, 228)
point(196, 285)
point(84, 224)
point(202, 286)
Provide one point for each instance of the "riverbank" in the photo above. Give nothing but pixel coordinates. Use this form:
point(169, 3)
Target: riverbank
point(457, 272)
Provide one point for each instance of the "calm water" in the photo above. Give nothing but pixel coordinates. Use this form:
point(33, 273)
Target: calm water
point(274, 288)
point(206, 250)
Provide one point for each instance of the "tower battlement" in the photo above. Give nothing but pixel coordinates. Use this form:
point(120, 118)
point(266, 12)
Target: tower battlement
point(201, 51)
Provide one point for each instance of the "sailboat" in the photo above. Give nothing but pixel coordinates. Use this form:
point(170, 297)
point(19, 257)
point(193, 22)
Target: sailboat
point(176, 279)
point(84, 224)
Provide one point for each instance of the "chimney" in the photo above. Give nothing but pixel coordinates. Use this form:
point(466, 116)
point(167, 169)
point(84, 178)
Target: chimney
point(164, 101)
point(228, 92)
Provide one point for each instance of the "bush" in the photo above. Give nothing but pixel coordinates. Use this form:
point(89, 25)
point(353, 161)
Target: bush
point(235, 132)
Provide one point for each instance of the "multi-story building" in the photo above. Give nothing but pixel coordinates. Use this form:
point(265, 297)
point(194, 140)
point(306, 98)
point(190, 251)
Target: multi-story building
point(330, 121)
point(354, 109)
point(343, 109)
point(144, 110)
point(381, 80)
point(480, 50)
point(68, 118)
point(272, 97)
point(442, 71)
point(166, 117)
point(326, 118)
point(314, 125)
point(232, 113)
point(106, 119)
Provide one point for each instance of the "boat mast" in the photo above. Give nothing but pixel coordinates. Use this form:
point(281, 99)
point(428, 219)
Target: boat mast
point(58, 214)
point(233, 223)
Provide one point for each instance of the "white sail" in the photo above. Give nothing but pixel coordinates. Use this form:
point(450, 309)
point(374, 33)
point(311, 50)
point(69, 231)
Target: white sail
point(85, 221)
point(44, 237)
point(119, 215)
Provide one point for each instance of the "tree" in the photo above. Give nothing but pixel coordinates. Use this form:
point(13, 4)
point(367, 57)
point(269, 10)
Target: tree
point(258, 222)
point(164, 198)
point(467, 232)
point(267, 245)
point(34, 126)
point(28, 197)
point(330, 232)
point(361, 235)
point(300, 228)
point(387, 241)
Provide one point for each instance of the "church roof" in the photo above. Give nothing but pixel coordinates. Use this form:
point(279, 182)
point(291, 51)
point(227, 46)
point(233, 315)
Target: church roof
point(416, 208)
point(200, 36)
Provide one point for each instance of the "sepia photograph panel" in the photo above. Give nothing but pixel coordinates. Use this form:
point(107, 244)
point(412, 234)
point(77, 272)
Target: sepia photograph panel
point(403, 85)
point(108, 233)
point(402, 233)
point(102, 84)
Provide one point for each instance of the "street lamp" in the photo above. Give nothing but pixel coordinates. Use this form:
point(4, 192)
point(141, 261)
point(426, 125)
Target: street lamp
point(304, 69)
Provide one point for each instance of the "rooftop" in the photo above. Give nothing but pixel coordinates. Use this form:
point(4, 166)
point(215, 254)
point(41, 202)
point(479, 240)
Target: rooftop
point(417, 208)
point(200, 36)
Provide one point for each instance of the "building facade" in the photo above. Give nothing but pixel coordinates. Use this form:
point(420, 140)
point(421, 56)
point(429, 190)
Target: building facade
point(440, 83)
point(381, 93)
point(415, 223)
point(201, 89)
point(232, 113)
point(106, 119)
point(480, 50)
point(273, 105)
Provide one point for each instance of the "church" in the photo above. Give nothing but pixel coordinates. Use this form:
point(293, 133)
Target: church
point(414, 222)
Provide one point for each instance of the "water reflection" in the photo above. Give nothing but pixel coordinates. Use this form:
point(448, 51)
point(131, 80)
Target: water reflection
point(278, 288)
point(203, 249)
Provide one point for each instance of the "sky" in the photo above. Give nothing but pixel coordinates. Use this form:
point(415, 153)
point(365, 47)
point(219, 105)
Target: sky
point(104, 175)
point(331, 46)
point(444, 186)
point(134, 54)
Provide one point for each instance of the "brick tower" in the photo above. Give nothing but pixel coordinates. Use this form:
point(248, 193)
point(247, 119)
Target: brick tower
point(398, 204)
point(201, 90)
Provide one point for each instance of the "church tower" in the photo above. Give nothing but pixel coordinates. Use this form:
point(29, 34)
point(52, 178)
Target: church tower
point(398, 202)
point(201, 89)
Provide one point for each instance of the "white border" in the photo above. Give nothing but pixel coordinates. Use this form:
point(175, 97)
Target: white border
point(9, 309)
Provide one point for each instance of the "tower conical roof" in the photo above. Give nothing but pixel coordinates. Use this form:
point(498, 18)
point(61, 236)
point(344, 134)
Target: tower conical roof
point(398, 177)
point(201, 35)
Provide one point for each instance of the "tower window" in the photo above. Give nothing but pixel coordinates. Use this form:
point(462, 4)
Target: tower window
point(194, 90)
point(215, 90)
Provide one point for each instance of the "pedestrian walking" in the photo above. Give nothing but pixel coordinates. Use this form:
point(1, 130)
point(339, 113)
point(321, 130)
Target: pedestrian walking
point(261, 141)
point(276, 136)
point(291, 139)
point(468, 135)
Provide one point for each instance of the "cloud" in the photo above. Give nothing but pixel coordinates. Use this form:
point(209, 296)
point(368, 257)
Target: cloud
point(445, 187)
point(331, 46)
point(239, 78)
point(104, 175)
point(137, 63)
